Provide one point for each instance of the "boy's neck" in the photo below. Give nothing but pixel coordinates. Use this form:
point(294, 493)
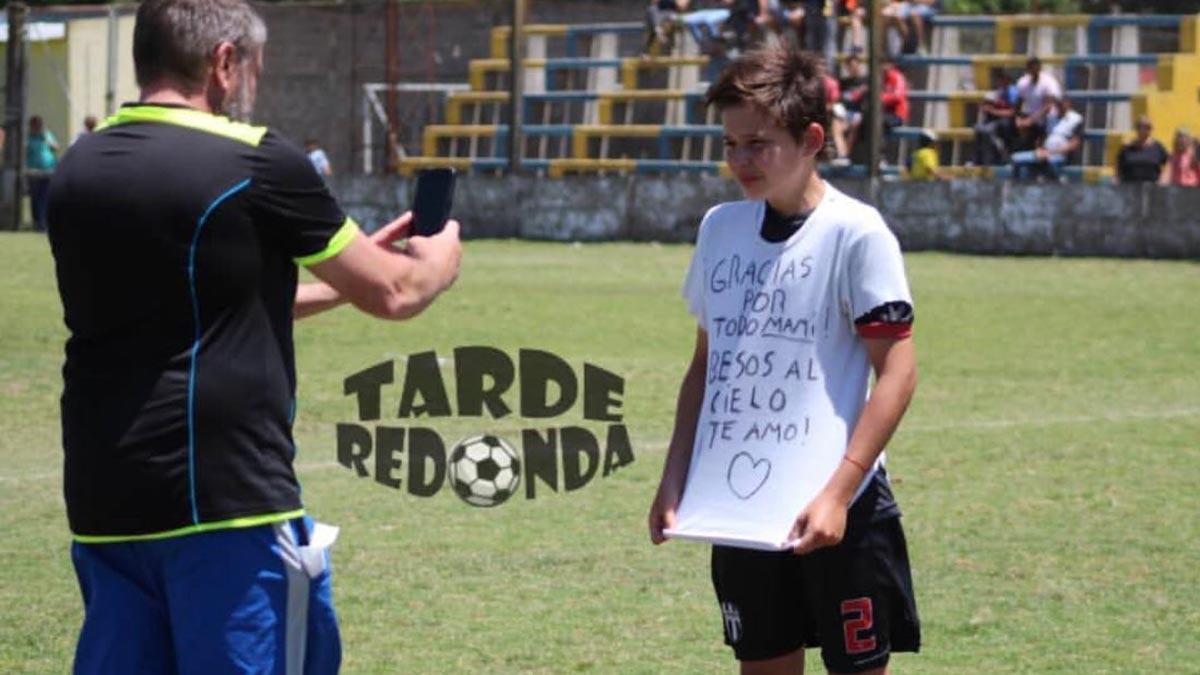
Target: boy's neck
point(804, 200)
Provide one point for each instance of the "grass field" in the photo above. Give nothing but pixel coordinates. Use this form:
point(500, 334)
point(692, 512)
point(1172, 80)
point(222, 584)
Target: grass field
point(1047, 470)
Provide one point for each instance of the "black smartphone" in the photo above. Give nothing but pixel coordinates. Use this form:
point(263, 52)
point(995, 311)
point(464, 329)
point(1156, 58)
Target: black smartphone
point(433, 200)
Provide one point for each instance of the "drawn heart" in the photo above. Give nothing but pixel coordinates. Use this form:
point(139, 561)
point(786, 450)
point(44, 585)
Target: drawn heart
point(747, 475)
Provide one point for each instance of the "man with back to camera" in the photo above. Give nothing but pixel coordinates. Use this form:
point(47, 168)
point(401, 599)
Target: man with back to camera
point(176, 234)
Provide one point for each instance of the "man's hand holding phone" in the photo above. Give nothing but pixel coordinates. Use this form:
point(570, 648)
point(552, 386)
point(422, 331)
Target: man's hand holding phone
point(433, 236)
point(396, 281)
point(397, 230)
point(442, 251)
point(433, 201)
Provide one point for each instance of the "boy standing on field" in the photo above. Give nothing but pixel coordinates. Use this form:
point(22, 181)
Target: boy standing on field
point(846, 586)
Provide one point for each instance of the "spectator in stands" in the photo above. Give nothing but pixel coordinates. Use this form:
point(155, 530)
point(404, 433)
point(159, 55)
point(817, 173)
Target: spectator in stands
point(41, 156)
point(894, 18)
point(910, 20)
point(662, 22)
point(89, 125)
point(806, 18)
point(1037, 91)
point(745, 16)
point(708, 28)
point(1064, 138)
point(1183, 167)
point(894, 96)
point(924, 164)
point(854, 89)
point(319, 159)
point(1142, 160)
point(750, 20)
point(857, 13)
point(776, 17)
point(816, 31)
point(837, 111)
point(994, 135)
point(920, 15)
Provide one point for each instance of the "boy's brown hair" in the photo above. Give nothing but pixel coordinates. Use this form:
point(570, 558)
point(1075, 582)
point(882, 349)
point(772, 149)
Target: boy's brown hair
point(786, 83)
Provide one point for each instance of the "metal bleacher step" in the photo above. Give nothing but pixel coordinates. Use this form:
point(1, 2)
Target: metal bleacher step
point(589, 104)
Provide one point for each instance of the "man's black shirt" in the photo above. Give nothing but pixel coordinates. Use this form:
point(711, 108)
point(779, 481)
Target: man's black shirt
point(176, 236)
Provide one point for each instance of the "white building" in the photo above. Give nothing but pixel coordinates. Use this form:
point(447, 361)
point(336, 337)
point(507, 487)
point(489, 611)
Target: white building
point(68, 52)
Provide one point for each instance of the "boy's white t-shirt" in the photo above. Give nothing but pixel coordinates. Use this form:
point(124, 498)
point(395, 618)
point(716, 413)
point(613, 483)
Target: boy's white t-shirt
point(787, 371)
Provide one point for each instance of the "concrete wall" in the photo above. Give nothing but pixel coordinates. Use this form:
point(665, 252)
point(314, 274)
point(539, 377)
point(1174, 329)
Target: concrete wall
point(964, 216)
point(88, 70)
point(320, 54)
point(68, 76)
point(88, 40)
point(48, 87)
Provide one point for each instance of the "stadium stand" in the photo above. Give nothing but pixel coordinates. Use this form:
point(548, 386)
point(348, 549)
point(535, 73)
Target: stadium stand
point(593, 103)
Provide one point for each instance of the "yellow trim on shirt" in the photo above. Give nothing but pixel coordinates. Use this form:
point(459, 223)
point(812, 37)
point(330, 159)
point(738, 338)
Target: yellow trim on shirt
point(188, 117)
point(339, 241)
point(235, 523)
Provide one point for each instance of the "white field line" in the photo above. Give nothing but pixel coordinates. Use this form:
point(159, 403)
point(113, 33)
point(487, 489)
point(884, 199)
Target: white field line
point(1049, 420)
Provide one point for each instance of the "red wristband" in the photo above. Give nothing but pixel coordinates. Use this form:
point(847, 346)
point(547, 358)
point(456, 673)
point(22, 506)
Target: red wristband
point(857, 463)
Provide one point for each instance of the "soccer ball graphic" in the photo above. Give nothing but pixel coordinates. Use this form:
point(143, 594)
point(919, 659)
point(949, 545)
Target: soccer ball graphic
point(484, 470)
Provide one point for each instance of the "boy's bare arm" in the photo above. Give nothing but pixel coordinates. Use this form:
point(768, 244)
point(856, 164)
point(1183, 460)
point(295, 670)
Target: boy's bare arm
point(679, 452)
point(895, 364)
point(687, 414)
point(823, 522)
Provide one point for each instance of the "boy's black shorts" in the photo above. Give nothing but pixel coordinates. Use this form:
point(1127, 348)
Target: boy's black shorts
point(854, 600)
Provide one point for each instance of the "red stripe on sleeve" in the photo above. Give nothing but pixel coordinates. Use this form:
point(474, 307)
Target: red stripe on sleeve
point(879, 329)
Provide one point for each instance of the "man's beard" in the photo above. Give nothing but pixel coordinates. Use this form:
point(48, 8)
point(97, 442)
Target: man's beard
point(239, 103)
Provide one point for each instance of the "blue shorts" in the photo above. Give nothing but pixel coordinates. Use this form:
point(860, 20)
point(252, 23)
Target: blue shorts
point(227, 601)
point(911, 9)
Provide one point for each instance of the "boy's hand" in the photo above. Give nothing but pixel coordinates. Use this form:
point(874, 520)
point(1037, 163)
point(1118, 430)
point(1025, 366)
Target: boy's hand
point(821, 524)
point(662, 513)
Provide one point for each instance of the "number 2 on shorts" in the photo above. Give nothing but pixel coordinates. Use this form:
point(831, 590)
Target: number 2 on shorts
point(857, 619)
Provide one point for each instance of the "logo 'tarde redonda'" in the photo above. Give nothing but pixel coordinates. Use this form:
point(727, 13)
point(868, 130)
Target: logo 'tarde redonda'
point(484, 469)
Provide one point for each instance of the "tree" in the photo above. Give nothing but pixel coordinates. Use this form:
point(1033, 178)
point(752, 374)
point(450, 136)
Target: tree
point(1012, 6)
point(1072, 6)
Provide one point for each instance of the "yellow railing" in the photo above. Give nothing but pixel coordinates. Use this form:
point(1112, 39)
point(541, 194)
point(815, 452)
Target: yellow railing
point(583, 133)
point(606, 99)
point(630, 67)
point(1005, 25)
point(500, 36)
point(435, 132)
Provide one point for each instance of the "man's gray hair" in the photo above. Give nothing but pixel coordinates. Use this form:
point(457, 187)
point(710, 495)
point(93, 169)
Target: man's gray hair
point(175, 39)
